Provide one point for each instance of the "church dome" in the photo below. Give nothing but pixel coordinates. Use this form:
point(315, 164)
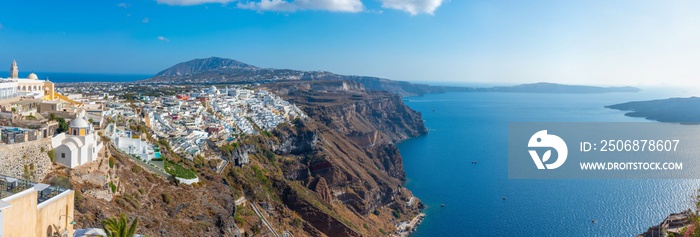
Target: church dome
point(32, 76)
point(79, 123)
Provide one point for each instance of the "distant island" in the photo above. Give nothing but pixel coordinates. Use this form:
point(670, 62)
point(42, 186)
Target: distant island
point(215, 70)
point(544, 87)
point(672, 110)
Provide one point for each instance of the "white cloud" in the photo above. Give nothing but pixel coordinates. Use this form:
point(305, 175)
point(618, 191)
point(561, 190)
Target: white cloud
point(191, 2)
point(161, 38)
point(298, 5)
point(124, 5)
point(145, 20)
point(413, 7)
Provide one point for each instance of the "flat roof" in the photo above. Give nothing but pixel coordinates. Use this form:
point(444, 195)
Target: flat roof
point(40, 187)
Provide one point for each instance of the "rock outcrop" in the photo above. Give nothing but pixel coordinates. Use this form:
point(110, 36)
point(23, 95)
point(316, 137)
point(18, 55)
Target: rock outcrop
point(321, 187)
point(335, 173)
point(348, 148)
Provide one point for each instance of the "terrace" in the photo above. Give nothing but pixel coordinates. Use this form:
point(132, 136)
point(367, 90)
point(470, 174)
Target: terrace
point(10, 186)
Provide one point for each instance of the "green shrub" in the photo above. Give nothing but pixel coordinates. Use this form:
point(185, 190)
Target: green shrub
point(376, 212)
point(297, 222)
point(62, 125)
point(177, 170)
point(51, 155)
point(270, 155)
point(136, 169)
point(111, 162)
point(113, 187)
point(79, 198)
point(61, 181)
point(213, 163)
point(199, 161)
point(238, 219)
point(259, 175)
point(266, 133)
point(166, 198)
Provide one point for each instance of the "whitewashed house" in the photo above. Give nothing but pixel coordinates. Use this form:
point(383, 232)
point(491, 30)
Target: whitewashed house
point(79, 145)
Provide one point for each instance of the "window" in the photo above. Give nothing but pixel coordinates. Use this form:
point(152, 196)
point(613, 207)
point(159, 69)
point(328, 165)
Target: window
point(63, 155)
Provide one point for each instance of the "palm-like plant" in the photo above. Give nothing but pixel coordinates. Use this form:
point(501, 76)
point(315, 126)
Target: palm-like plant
point(118, 227)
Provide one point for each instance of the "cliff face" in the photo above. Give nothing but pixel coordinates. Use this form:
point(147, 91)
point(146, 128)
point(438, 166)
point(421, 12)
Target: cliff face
point(348, 149)
point(335, 173)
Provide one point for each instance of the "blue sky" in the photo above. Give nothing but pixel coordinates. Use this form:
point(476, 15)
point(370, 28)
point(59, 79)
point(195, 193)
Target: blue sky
point(584, 42)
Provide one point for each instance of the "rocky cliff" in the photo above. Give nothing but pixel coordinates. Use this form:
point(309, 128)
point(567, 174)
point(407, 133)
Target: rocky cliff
point(348, 150)
point(335, 173)
point(339, 170)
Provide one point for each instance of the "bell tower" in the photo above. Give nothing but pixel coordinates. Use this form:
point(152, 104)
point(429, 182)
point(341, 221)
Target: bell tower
point(14, 72)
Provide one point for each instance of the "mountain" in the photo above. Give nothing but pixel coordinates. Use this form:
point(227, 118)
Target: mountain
point(544, 87)
point(221, 70)
point(197, 66)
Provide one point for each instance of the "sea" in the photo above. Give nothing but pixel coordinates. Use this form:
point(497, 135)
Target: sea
point(463, 127)
point(466, 127)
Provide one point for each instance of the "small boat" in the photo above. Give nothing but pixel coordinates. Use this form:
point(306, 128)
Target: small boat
point(504, 198)
point(474, 162)
point(593, 221)
point(442, 205)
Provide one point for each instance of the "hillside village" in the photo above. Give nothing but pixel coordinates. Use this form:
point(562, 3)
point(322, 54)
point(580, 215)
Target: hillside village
point(44, 128)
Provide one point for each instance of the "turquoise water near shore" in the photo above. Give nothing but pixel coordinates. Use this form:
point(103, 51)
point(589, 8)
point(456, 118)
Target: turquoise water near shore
point(474, 126)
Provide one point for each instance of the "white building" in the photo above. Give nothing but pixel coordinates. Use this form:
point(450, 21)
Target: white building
point(132, 146)
point(8, 89)
point(27, 87)
point(79, 145)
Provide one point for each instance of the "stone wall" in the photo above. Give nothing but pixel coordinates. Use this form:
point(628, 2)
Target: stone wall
point(188, 181)
point(14, 157)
